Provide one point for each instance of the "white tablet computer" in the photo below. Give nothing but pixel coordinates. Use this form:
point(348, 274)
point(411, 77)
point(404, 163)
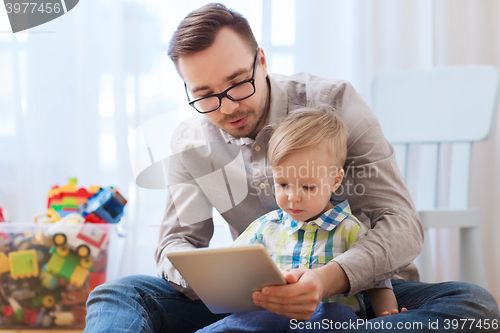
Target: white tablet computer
point(225, 278)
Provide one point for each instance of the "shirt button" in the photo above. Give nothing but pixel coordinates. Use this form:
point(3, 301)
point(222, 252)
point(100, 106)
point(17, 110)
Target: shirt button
point(262, 186)
point(308, 235)
point(257, 148)
point(304, 261)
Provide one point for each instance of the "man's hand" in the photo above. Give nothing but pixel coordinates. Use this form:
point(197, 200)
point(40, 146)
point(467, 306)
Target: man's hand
point(305, 289)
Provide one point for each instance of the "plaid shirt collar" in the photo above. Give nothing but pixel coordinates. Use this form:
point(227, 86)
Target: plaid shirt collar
point(328, 220)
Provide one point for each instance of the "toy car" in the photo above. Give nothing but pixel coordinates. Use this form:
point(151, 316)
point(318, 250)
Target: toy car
point(86, 239)
point(107, 204)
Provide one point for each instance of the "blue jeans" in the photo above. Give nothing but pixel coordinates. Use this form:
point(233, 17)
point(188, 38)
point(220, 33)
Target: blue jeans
point(265, 321)
point(442, 307)
point(141, 303)
point(149, 304)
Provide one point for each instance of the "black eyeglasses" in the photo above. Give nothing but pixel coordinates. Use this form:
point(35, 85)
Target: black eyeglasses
point(238, 92)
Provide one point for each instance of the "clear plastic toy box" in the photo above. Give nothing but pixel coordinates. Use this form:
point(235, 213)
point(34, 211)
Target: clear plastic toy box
point(47, 271)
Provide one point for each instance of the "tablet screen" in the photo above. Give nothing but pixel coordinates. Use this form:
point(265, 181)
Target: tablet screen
point(225, 278)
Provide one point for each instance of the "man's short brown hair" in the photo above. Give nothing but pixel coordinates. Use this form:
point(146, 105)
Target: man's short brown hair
point(197, 31)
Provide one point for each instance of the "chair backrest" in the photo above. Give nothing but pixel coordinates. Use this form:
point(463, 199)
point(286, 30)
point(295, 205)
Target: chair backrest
point(431, 117)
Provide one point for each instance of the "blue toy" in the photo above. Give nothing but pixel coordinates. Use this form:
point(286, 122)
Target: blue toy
point(107, 204)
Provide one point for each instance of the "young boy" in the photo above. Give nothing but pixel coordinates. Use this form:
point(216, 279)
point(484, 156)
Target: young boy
point(306, 152)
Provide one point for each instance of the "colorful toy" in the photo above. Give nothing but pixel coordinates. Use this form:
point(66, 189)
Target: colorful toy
point(30, 316)
point(96, 279)
point(79, 313)
point(4, 263)
point(4, 238)
point(47, 320)
point(71, 268)
point(46, 301)
point(108, 205)
point(8, 311)
point(47, 270)
point(23, 264)
point(66, 199)
point(74, 297)
point(86, 241)
point(64, 318)
point(50, 216)
point(18, 316)
point(47, 279)
point(92, 218)
point(39, 318)
point(2, 215)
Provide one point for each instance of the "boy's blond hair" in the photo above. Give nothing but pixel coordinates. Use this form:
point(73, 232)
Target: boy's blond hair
point(308, 128)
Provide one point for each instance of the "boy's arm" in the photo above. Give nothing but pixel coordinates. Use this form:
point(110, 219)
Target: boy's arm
point(383, 301)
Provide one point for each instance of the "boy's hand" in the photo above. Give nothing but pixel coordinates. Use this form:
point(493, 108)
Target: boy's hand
point(298, 299)
point(393, 312)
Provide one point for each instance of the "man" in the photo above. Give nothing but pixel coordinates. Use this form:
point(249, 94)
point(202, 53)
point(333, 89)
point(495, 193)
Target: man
point(226, 80)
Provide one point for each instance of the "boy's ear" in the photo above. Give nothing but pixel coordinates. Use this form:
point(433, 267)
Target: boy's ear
point(338, 179)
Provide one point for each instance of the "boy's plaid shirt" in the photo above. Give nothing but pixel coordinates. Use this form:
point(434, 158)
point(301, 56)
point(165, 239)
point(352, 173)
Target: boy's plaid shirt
point(293, 244)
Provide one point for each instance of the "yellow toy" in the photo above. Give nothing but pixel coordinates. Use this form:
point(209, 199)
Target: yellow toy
point(51, 216)
point(23, 264)
point(4, 263)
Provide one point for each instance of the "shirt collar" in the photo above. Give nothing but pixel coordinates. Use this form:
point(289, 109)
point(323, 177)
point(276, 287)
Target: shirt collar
point(278, 109)
point(237, 141)
point(328, 220)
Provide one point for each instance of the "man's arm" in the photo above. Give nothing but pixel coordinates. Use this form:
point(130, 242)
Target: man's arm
point(372, 183)
point(375, 189)
point(187, 222)
point(176, 237)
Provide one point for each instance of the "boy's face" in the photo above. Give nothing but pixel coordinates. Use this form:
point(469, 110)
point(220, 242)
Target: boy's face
point(304, 183)
point(227, 62)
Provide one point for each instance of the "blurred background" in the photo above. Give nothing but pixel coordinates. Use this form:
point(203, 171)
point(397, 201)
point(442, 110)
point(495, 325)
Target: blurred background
point(72, 90)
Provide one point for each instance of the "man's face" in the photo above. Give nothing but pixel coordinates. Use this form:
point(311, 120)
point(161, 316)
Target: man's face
point(225, 63)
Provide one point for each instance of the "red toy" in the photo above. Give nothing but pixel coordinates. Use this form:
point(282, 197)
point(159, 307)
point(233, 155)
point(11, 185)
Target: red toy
point(2, 218)
point(66, 199)
point(30, 316)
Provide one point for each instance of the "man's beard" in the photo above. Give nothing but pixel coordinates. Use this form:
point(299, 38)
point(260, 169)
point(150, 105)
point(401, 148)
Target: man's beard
point(240, 115)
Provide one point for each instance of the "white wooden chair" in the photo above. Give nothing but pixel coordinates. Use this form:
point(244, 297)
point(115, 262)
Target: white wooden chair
point(432, 117)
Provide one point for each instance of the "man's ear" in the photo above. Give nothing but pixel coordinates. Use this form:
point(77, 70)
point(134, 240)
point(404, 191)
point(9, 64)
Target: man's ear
point(263, 61)
point(337, 180)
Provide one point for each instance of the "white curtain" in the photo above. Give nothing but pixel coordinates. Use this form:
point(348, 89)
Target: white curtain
point(73, 89)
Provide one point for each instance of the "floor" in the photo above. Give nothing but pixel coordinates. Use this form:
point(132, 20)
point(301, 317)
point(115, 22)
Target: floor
point(42, 331)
